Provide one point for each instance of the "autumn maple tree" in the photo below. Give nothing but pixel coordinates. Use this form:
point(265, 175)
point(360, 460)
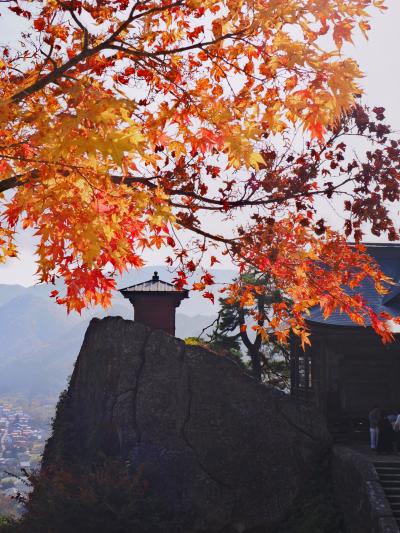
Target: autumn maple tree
point(123, 123)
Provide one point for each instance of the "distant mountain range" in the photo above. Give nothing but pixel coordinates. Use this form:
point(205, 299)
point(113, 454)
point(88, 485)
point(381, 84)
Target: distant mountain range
point(39, 342)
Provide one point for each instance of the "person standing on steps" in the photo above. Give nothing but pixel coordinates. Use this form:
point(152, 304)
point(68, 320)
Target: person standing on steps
point(374, 418)
point(386, 436)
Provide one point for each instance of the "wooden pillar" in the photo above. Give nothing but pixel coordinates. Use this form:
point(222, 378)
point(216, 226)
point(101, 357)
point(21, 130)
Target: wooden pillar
point(306, 372)
point(294, 368)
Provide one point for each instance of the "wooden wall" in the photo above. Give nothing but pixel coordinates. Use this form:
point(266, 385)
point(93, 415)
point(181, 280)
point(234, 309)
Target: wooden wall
point(351, 370)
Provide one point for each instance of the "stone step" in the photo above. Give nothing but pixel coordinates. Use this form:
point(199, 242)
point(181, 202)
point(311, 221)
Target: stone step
point(394, 506)
point(387, 464)
point(388, 475)
point(390, 491)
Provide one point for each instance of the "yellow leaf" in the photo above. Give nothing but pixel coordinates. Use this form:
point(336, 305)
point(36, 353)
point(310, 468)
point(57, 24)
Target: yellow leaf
point(177, 147)
point(256, 159)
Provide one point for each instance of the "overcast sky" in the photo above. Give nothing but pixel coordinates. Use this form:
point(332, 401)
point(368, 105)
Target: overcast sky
point(379, 59)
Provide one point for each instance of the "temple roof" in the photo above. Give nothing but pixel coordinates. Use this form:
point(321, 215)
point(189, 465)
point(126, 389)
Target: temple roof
point(152, 285)
point(388, 257)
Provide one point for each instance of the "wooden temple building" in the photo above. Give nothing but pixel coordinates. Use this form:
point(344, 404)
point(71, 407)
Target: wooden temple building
point(155, 302)
point(348, 369)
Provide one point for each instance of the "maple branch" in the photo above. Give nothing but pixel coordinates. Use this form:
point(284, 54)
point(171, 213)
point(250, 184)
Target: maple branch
point(51, 77)
point(260, 202)
point(236, 67)
point(85, 54)
point(85, 31)
point(11, 183)
point(48, 58)
point(232, 35)
point(199, 231)
point(153, 9)
point(243, 202)
point(133, 51)
point(165, 76)
point(130, 180)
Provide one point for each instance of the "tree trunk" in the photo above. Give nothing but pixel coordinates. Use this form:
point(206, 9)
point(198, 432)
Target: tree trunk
point(255, 363)
point(253, 348)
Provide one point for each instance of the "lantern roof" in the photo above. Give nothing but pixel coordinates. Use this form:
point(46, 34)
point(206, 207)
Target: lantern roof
point(155, 284)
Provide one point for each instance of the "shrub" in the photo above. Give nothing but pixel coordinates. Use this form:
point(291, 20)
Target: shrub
point(109, 497)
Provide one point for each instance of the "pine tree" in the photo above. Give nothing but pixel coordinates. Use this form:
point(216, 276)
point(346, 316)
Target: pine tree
point(267, 359)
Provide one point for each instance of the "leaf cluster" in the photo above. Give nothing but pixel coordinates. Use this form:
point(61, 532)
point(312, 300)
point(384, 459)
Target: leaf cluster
point(124, 126)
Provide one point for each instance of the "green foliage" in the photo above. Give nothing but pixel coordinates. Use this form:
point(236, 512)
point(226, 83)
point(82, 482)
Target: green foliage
point(7, 524)
point(225, 337)
point(10, 509)
point(194, 341)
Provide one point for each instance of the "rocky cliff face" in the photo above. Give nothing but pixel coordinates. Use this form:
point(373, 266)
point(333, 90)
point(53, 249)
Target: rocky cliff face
point(218, 449)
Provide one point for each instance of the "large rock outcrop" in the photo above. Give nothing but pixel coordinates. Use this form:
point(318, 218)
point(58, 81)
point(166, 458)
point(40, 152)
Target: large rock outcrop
point(218, 449)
